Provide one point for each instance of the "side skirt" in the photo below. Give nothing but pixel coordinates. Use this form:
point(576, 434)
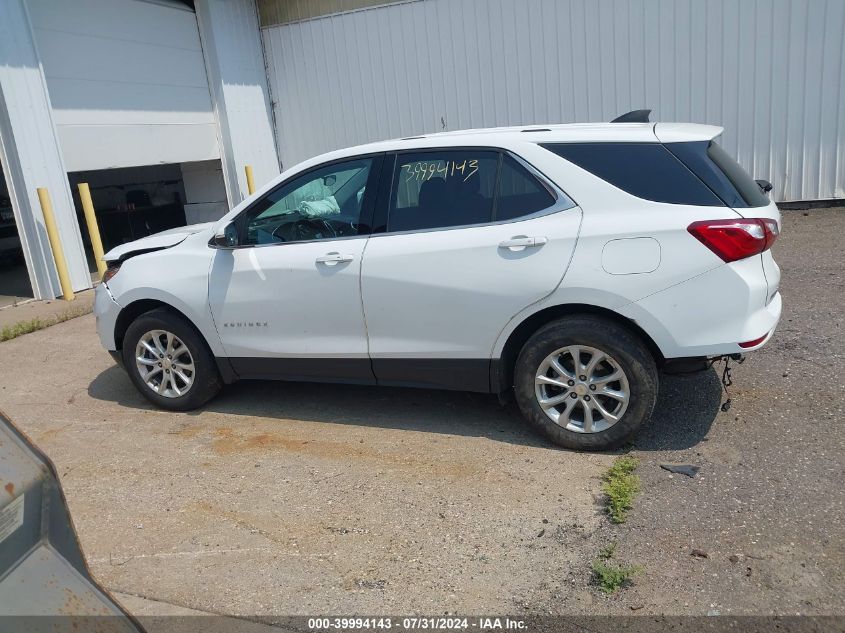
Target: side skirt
point(345, 370)
point(460, 374)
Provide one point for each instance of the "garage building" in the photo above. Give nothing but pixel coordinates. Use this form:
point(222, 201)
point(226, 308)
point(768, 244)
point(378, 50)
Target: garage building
point(159, 104)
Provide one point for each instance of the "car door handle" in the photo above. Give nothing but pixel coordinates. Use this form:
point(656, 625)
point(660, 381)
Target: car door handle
point(334, 258)
point(519, 242)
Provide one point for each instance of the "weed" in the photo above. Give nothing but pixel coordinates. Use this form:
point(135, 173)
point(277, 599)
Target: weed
point(607, 553)
point(620, 487)
point(25, 327)
point(610, 577)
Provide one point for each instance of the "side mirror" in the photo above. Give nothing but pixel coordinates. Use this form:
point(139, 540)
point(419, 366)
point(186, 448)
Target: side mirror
point(227, 238)
point(765, 185)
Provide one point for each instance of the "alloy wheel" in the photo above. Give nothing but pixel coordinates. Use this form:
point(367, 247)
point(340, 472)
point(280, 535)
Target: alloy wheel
point(582, 389)
point(164, 363)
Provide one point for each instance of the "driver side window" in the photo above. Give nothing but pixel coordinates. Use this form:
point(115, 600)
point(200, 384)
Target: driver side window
point(323, 204)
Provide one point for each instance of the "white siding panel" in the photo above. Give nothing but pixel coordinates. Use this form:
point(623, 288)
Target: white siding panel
point(771, 72)
point(127, 82)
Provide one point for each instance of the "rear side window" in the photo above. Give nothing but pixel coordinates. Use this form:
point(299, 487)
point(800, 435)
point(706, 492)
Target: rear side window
point(519, 192)
point(645, 170)
point(721, 173)
point(437, 189)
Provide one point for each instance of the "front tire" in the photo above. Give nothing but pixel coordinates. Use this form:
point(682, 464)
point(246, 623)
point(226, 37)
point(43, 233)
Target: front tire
point(169, 362)
point(586, 382)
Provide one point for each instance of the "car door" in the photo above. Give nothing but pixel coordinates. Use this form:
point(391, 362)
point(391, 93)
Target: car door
point(286, 299)
point(470, 238)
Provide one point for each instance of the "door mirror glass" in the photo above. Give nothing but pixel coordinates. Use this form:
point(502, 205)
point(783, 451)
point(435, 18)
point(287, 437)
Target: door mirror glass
point(227, 238)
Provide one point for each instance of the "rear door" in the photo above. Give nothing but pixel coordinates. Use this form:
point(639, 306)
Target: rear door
point(466, 239)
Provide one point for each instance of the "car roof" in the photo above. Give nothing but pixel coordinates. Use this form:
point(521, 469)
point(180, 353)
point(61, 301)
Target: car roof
point(506, 137)
point(512, 137)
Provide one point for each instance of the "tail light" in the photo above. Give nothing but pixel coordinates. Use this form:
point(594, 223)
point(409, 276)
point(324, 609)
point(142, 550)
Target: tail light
point(736, 239)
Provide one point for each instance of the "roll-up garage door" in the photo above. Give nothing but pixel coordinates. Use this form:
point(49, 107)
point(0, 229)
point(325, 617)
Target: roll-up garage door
point(127, 82)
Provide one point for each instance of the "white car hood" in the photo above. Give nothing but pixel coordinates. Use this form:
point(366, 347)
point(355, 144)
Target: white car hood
point(165, 239)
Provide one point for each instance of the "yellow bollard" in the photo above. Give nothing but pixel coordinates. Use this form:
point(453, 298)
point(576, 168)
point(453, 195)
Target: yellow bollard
point(93, 229)
point(55, 243)
point(250, 181)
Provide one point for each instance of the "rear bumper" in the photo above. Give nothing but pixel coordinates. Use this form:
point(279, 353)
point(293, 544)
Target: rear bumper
point(710, 315)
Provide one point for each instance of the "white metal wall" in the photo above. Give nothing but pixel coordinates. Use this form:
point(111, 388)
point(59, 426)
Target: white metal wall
point(771, 72)
point(127, 82)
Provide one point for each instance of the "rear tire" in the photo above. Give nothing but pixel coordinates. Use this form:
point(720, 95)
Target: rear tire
point(597, 405)
point(169, 362)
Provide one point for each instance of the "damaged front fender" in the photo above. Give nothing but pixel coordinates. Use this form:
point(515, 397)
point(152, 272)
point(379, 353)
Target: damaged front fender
point(156, 242)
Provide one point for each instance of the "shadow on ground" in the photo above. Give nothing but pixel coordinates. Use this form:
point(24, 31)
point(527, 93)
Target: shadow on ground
point(685, 411)
point(686, 408)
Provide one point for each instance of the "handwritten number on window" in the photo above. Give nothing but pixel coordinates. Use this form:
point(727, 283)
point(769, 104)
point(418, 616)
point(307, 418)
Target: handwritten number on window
point(422, 170)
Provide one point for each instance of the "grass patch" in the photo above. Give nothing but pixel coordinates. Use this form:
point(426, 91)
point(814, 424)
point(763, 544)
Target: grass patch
point(609, 577)
point(620, 486)
point(607, 553)
point(25, 327)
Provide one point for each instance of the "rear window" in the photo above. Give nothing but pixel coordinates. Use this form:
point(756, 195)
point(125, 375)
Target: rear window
point(721, 173)
point(645, 170)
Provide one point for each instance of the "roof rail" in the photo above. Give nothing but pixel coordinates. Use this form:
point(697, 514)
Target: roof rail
point(634, 116)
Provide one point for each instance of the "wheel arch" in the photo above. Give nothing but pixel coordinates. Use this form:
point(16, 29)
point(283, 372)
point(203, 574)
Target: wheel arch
point(141, 306)
point(501, 370)
point(135, 309)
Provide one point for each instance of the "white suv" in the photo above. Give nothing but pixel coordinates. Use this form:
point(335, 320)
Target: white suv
point(569, 263)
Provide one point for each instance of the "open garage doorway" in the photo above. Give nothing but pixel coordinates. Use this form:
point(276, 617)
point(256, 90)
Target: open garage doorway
point(134, 202)
point(15, 286)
